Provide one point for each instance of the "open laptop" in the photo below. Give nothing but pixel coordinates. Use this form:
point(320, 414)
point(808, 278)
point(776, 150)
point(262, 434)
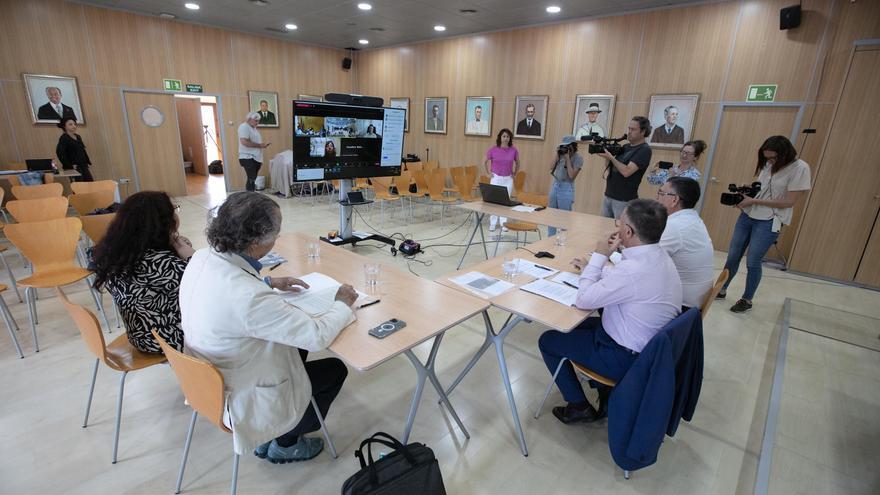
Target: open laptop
point(39, 165)
point(496, 194)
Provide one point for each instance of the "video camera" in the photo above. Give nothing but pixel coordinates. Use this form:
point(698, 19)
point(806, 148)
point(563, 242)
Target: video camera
point(738, 193)
point(600, 144)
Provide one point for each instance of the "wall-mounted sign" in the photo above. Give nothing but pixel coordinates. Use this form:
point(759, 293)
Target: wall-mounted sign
point(761, 92)
point(172, 84)
point(194, 88)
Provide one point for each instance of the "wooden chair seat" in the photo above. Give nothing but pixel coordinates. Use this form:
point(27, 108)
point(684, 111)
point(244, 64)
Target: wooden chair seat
point(122, 356)
point(592, 374)
point(521, 226)
point(53, 278)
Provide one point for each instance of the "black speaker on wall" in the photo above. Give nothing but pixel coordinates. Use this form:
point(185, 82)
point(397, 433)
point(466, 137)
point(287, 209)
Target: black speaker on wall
point(346, 63)
point(790, 17)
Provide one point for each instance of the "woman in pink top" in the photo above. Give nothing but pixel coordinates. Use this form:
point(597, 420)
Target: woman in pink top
point(502, 163)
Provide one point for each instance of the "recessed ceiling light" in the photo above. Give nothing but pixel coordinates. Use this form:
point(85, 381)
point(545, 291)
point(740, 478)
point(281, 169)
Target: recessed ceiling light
point(554, 9)
point(439, 27)
point(364, 6)
point(364, 42)
point(290, 27)
point(192, 6)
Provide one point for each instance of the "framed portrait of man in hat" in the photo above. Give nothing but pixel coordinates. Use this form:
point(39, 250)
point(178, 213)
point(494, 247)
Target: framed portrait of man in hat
point(593, 114)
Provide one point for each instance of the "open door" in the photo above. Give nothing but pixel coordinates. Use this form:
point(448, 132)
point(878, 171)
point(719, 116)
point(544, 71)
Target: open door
point(155, 142)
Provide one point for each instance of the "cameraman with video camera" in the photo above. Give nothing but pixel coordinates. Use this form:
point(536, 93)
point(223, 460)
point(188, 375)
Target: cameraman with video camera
point(566, 166)
point(625, 170)
point(784, 179)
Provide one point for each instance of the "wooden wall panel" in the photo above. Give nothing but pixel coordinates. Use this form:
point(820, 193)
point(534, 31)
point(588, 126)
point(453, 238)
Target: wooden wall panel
point(197, 55)
point(850, 21)
point(130, 50)
point(156, 149)
point(192, 134)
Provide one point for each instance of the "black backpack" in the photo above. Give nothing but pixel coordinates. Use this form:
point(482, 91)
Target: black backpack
point(216, 167)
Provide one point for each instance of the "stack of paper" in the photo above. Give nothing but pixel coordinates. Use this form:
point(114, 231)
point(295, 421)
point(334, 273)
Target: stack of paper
point(524, 208)
point(568, 278)
point(551, 290)
point(483, 285)
point(534, 270)
point(320, 295)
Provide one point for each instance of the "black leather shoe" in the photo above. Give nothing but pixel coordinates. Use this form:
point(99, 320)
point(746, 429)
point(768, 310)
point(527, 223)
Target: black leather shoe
point(603, 405)
point(568, 414)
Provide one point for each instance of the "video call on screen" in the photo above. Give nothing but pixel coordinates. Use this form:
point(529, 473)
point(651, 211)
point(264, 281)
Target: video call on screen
point(332, 141)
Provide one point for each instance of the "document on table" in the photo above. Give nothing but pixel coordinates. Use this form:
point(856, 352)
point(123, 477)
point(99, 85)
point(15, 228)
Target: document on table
point(525, 208)
point(483, 285)
point(568, 278)
point(320, 295)
point(551, 290)
point(532, 269)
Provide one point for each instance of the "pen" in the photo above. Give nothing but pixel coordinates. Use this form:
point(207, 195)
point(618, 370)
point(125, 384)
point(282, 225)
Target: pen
point(570, 284)
point(543, 267)
point(276, 266)
point(369, 303)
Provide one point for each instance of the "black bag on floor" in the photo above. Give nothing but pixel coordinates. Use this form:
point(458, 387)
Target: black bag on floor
point(409, 469)
point(216, 167)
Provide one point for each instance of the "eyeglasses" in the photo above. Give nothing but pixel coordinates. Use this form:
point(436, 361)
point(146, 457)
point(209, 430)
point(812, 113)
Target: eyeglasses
point(618, 223)
point(688, 153)
point(664, 193)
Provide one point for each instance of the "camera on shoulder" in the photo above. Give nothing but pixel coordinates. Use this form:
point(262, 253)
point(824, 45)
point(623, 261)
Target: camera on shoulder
point(737, 193)
point(600, 144)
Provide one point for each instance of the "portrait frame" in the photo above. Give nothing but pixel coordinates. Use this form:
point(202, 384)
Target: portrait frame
point(605, 120)
point(443, 103)
point(35, 86)
point(401, 102)
point(310, 98)
point(541, 104)
point(687, 105)
point(255, 97)
point(484, 102)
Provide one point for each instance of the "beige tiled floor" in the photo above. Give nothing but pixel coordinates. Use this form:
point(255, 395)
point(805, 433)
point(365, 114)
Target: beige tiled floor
point(44, 450)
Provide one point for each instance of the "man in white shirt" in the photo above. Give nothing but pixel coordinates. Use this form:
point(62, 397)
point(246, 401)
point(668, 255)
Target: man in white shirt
point(478, 125)
point(592, 126)
point(686, 239)
point(250, 148)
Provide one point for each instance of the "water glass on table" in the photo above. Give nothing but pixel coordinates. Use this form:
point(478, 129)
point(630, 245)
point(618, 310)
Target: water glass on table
point(510, 267)
point(561, 236)
point(314, 248)
point(371, 274)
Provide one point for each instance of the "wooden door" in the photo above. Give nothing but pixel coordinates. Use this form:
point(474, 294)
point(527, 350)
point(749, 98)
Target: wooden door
point(836, 234)
point(192, 134)
point(743, 130)
point(157, 152)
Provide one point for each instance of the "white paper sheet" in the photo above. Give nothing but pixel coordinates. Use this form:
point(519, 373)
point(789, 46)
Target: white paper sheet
point(525, 208)
point(551, 290)
point(320, 295)
point(533, 269)
point(572, 278)
point(483, 285)
point(271, 259)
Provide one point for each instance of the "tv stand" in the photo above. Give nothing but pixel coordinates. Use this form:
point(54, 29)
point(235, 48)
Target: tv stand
point(346, 210)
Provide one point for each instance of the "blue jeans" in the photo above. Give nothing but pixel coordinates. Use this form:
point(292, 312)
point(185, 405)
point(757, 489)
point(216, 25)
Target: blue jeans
point(561, 197)
point(757, 236)
point(589, 345)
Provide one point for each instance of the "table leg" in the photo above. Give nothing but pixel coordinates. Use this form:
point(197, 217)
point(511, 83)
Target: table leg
point(478, 226)
point(426, 371)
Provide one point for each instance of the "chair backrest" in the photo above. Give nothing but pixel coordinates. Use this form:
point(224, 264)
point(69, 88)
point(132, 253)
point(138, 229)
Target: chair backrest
point(37, 210)
point(455, 172)
point(362, 183)
point(710, 297)
point(90, 187)
point(49, 245)
point(403, 182)
point(464, 184)
point(88, 326)
point(95, 226)
point(411, 166)
point(85, 203)
point(532, 198)
point(431, 165)
point(421, 179)
point(201, 383)
point(436, 183)
point(381, 186)
point(519, 181)
point(37, 192)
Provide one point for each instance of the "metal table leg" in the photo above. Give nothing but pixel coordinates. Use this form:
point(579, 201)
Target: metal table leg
point(478, 226)
point(497, 339)
point(426, 371)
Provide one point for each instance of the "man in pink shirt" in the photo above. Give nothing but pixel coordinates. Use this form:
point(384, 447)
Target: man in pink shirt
point(640, 295)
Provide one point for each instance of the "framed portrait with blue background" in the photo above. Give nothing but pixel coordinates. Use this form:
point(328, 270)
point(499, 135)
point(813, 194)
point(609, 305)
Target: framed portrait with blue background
point(478, 116)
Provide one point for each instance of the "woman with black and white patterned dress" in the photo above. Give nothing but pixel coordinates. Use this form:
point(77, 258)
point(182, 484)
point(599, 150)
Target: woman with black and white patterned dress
point(141, 261)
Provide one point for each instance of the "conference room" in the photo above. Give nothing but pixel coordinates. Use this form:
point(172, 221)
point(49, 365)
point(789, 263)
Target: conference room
point(400, 246)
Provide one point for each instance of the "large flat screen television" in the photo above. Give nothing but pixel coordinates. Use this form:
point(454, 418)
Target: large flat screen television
point(337, 141)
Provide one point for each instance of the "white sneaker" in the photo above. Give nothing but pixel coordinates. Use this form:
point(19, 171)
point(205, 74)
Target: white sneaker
point(491, 228)
point(503, 229)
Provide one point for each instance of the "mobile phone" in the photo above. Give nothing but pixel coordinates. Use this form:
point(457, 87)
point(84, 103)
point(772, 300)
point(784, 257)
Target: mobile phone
point(387, 328)
point(665, 165)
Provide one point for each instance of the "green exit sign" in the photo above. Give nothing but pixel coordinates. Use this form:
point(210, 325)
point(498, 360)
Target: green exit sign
point(172, 84)
point(194, 88)
point(761, 92)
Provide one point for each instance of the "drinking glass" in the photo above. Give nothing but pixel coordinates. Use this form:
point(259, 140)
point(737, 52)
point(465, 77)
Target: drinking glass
point(561, 236)
point(371, 274)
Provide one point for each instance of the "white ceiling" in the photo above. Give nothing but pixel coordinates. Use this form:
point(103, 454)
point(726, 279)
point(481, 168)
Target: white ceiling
point(340, 24)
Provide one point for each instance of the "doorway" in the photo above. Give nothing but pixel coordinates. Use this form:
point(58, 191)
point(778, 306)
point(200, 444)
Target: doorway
point(200, 145)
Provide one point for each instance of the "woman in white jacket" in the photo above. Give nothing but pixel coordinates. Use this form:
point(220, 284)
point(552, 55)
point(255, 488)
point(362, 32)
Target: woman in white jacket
point(234, 319)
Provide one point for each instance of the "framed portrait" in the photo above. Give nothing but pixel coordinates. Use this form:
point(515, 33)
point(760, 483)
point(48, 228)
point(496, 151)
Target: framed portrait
point(530, 117)
point(264, 103)
point(404, 104)
point(478, 116)
point(52, 97)
point(310, 98)
point(672, 119)
point(593, 114)
point(435, 115)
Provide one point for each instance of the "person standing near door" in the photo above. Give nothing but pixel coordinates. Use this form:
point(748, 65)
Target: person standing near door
point(250, 149)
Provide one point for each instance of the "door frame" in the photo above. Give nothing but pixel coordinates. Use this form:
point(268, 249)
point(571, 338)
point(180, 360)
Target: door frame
point(707, 174)
point(218, 115)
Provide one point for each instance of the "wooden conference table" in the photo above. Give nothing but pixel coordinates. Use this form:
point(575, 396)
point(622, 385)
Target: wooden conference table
point(429, 309)
point(528, 307)
point(571, 220)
